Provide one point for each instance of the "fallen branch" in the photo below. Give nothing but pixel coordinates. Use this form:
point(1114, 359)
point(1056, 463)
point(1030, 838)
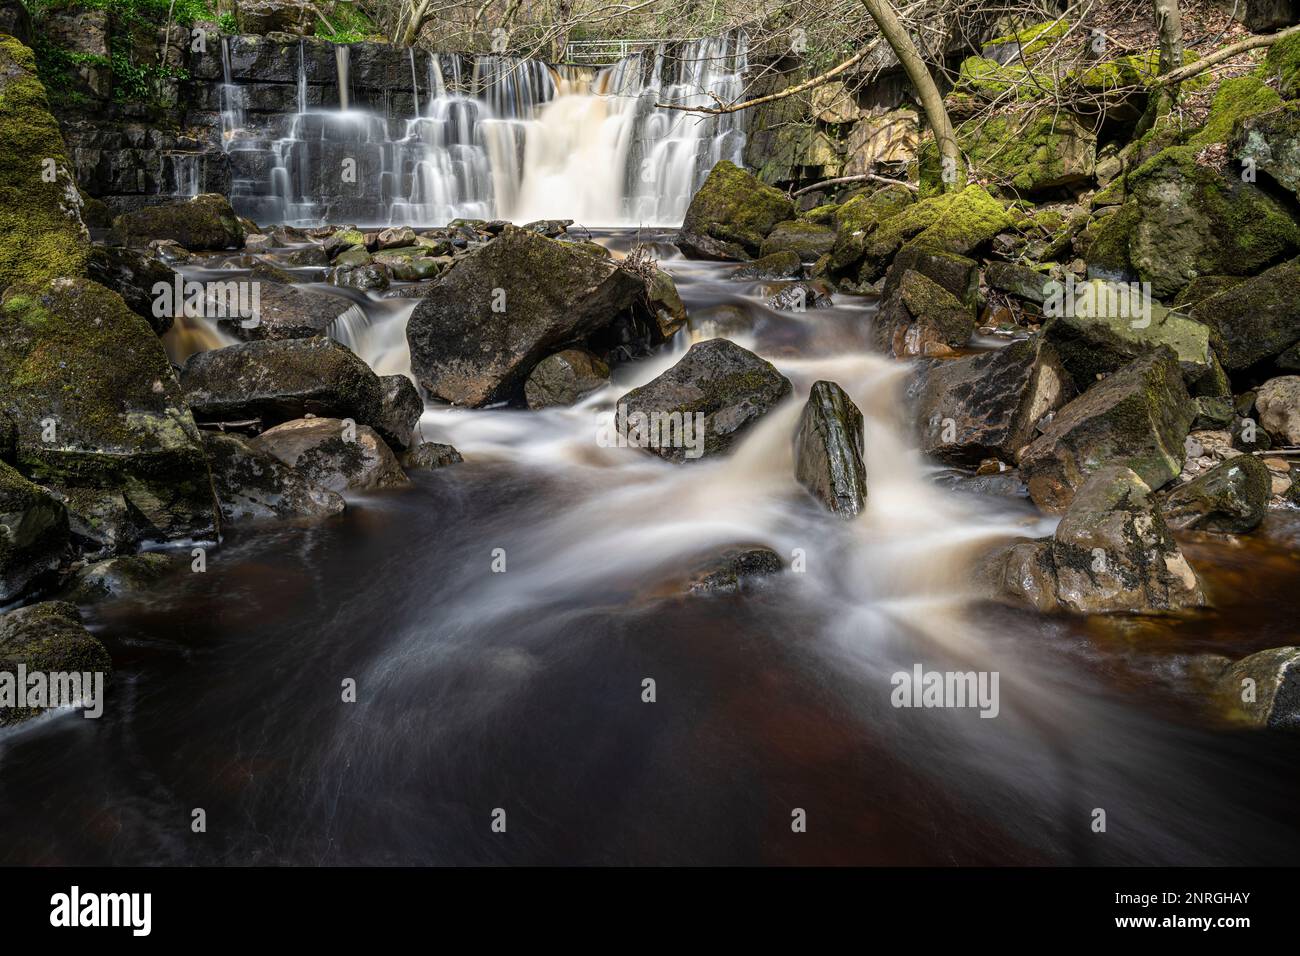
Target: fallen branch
point(864, 177)
point(1227, 53)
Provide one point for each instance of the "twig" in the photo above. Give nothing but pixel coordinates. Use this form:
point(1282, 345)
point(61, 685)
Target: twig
point(840, 180)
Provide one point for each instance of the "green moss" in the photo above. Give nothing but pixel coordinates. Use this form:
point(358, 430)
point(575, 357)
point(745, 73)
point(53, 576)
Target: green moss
point(1135, 69)
point(1037, 38)
point(824, 214)
point(39, 219)
point(858, 218)
point(1283, 63)
point(1025, 154)
point(1236, 99)
point(954, 222)
point(734, 207)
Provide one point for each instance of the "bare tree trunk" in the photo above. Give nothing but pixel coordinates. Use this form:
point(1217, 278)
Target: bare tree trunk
point(407, 36)
point(1169, 28)
point(919, 75)
point(563, 13)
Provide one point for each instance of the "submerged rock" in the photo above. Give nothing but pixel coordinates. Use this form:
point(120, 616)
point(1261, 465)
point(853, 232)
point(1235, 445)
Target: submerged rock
point(277, 381)
point(1113, 551)
point(1264, 689)
point(254, 486)
point(987, 406)
point(1231, 497)
point(563, 378)
point(828, 449)
point(48, 638)
point(723, 387)
point(332, 454)
point(1137, 417)
point(731, 214)
point(429, 455)
point(100, 417)
point(33, 533)
point(486, 322)
point(734, 570)
point(799, 297)
point(206, 222)
point(401, 411)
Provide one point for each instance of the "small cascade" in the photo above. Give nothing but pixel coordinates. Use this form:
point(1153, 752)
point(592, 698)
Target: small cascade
point(184, 173)
point(508, 138)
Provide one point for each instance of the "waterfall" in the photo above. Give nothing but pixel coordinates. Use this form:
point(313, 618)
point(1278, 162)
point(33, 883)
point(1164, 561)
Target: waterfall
point(511, 139)
point(233, 99)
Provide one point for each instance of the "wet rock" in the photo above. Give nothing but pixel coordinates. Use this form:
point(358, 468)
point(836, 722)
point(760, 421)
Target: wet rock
point(287, 312)
point(33, 533)
point(563, 378)
point(402, 408)
point(955, 274)
point(1264, 689)
point(667, 311)
point(333, 454)
point(47, 638)
point(729, 386)
point(429, 455)
point(1113, 551)
point(987, 406)
point(922, 318)
point(828, 449)
point(277, 381)
point(799, 297)
point(133, 276)
point(779, 265)
point(1104, 326)
point(807, 240)
point(364, 278)
point(266, 271)
point(1278, 402)
point(550, 228)
point(1018, 280)
point(487, 321)
point(731, 214)
point(411, 268)
point(1021, 572)
point(1004, 484)
point(254, 486)
point(396, 237)
point(206, 222)
point(100, 416)
point(123, 575)
point(1231, 497)
point(1137, 417)
point(734, 570)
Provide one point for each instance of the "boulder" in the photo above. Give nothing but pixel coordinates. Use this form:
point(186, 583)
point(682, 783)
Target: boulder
point(396, 237)
point(987, 406)
point(857, 219)
point(133, 275)
point(1098, 327)
point(1264, 689)
point(1018, 280)
point(206, 222)
point(1113, 551)
point(1138, 416)
point(779, 265)
point(33, 533)
point(955, 274)
point(363, 278)
point(921, 317)
point(1025, 154)
point(828, 449)
point(487, 321)
point(1021, 572)
point(736, 569)
point(253, 486)
point(1184, 220)
point(1278, 403)
point(101, 419)
point(333, 454)
point(563, 378)
point(801, 296)
point(429, 455)
point(287, 312)
point(123, 575)
point(47, 638)
point(1271, 141)
point(1254, 320)
point(729, 386)
point(731, 214)
point(40, 219)
point(402, 408)
point(277, 381)
point(1231, 497)
point(808, 240)
point(16, 21)
point(960, 222)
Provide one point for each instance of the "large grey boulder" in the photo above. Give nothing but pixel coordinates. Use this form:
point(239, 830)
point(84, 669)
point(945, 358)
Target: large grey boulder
point(206, 222)
point(333, 454)
point(729, 386)
point(1278, 403)
point(987, 406)
point(487, 321)
point(252, 485)
point(1138, 417)
point(133, 276)
point(285, 312)
point(1256, 319)
point(828, 449)
point(402, 408)
point(1231, 497)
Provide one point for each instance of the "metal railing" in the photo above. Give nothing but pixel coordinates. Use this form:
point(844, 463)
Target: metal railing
point(604, 52)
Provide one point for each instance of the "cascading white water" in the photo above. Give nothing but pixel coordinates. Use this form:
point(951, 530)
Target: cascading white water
point(515, 139)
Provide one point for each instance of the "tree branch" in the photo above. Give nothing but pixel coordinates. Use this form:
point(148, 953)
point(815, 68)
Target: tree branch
point(1227, 53)
point(864, 177)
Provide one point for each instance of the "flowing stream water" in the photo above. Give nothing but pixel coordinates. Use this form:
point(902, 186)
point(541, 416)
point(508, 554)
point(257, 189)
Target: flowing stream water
point(522, 690)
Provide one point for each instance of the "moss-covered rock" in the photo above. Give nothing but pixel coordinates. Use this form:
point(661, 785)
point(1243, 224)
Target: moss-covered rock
point(206, 222)
point(1263, 690)
point(563, 378)
point(124, 575)
point(33, 533)
point(808, 240)
point(133, 275)
point(1254, 320)
point(1283, 64)
point(1186, 219)
point(1231, 497)
point(48, 638)
point(40, 206)
point(960, 222)
point(731, 215)
point(921, 317)
point(1236, 101)
point(779, 265)
point(1271, 143)
point(101, 418)
point(1024, 154)
point(856, 219)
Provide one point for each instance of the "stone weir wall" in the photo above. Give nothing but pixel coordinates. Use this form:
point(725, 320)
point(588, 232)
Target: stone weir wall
point(135, 154)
